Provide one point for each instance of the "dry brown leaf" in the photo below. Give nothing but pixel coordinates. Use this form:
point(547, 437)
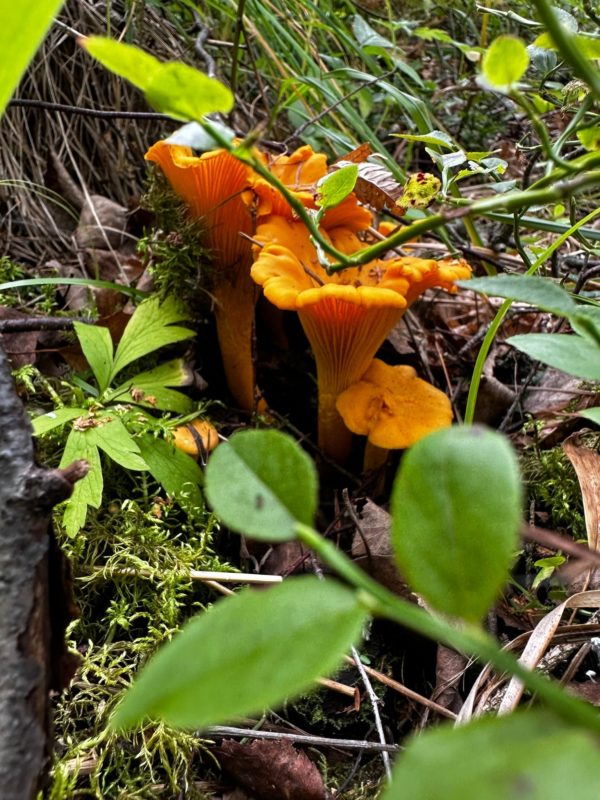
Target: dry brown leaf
point(356, 156)
point(272, 770)
point(375, 185)
point(586, 463)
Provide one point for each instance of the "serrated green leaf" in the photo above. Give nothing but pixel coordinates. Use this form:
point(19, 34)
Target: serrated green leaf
point(505, 62)
point(248, 652)
point(433, 34)
point(150, 327)
point(97, 346)
point(453, 538)
point(571, 354)
point(125, 60)
point(261, 483)
point(53, 419)
point(149, 389)
point(526, 756)
point(185, 93)
point(114, 439)
point(88, 490)
point(178, 474)
point(337, 186)
point(23, 25)
point(540, 292)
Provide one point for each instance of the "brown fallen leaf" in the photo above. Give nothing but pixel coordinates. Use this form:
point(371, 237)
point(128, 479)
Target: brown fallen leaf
point(272, 770)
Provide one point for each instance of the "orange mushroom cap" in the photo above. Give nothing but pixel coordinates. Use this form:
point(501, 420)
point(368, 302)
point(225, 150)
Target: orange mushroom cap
point(196, 438)
point(346, 316)
point(393, 407)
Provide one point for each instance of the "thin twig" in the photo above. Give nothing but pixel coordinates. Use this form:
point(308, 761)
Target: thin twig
point(27, 324)
point(201, 575)
point(385, 756)
point(20, 102)
point(298, 738)
point(401, 689)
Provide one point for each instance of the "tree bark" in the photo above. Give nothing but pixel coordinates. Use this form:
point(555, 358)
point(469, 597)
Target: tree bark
point(32, 655)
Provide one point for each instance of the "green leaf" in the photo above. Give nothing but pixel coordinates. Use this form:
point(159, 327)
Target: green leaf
point(592, 414)
point(88, 490)
point(590, 137)
point(148, 389)
point(337, 186)
point(261, 483)
point(177, 473)
point(53, 419)
point(125, 60)
point(435, 138)
point(454, 539)
point(97, 347)
point(184, 93)
point(246, 653)
point(571, 354)
point(525, 756)
point(586, 322)
point(505, 62)
point(115, 440)
point(150, 327)
point(587, 45)
point(540, 292)
point(23, 25)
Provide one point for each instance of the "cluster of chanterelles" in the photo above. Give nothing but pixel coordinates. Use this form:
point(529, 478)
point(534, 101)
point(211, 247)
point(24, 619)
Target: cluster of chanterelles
point(346, 316)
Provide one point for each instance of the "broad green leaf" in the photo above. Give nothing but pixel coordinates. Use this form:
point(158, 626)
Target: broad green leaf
point(184, 93)
point(150, 327)
point(435, 138)
point(97, 347)
point(261, 483)
point(337, 186)
point(586, 322)
point(593, 414)
point(505, 62)
point(246, 653)
point(590, 137)
point(453, 537)
point(177, 473)
point(113, 438)
point(125, 60)
point(53, 419)
point(149, 389)
point(587, 45)
point(540, 292)
point(23, 25)
point(571, 354)
point(88, 490)
point(525, 756)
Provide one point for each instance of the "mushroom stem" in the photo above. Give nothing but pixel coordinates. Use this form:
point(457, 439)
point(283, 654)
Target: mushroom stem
point(334, 437)
point(374, 457)
point(235, 298)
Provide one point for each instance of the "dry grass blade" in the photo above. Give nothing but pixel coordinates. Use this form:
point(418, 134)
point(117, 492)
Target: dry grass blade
point(586, 463)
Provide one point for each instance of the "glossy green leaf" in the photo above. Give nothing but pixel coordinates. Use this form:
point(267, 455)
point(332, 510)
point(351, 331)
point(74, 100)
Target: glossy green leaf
point(337, 186)
point(23, 25)
point(571, 354)
point(125, 60)
point(149, 389)
point(150, 327)
point(178, 474)
point(505, 62)
point(54, 419)
point(540, 292)
point(525, 756)
point(88, 490)
point(453, 537)
point(246, 653)
point(261, 483)
point(184, 93)
point(113, 438)
point(97, 346)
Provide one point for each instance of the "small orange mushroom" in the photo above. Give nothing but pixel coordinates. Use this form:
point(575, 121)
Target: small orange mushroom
point(393, 407)
point(346, 316)
point(198, 438)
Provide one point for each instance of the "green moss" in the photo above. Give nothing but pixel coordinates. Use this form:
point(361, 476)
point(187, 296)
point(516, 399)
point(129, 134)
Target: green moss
point(131, 569)
point(553, 488)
